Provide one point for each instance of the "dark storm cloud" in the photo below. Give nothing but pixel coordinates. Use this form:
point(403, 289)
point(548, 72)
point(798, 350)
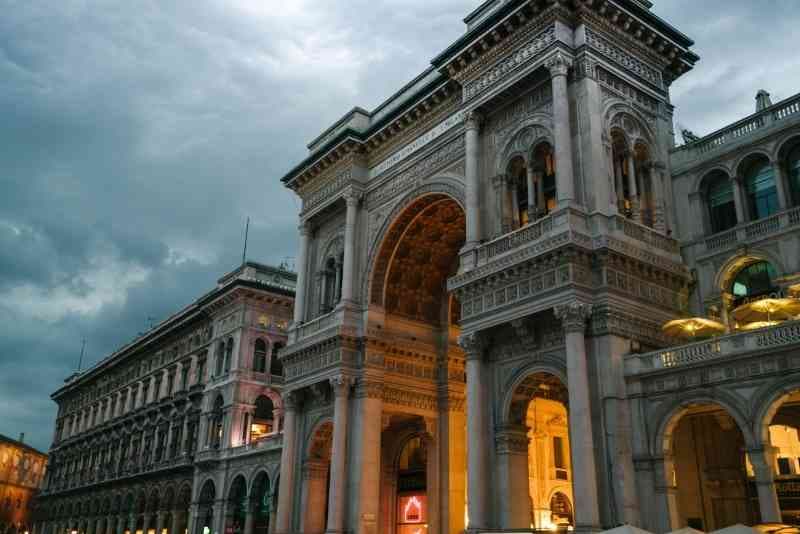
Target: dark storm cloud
point(136, 137)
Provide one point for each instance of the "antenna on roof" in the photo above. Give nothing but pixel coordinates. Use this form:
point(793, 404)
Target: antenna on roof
point(83, 350)
point(246, 232)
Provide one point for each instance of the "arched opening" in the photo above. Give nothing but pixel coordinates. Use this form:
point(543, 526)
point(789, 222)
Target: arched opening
point(705, 458)
point(275, 365)
point(236, 507)
point(181, 510)
point(561, 510)
point(205, 508)
point(167, 510)
point(263, 419)
point(260, 356)
point(153, 508)
point(792, 166)
point(760, 187)
point(261, 503)
point(645, 184)
point(544, 179)
point(535, 454)
point(412, 487)
point(624, 181)
point(316, 480)
point(216, 426)
point(516, 200)
point(753, 281)
point(718, 193)
point(781, 460)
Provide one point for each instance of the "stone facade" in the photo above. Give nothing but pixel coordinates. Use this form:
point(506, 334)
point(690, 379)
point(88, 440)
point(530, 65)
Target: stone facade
point(22, 469)
point(506, 236)
point(181, 429)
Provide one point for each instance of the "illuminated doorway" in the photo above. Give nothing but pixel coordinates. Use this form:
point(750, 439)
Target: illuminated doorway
point(412, 498)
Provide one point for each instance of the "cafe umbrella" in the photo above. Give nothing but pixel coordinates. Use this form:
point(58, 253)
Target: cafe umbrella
point(767, 310)
point(693, 327)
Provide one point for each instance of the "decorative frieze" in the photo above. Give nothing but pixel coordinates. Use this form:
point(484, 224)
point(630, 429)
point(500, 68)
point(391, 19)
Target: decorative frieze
point(509, 119)
point(409, 398)
point(515, 60)
point(614, 86)
point(328, 191)
point(413, 176)
point(623, 58)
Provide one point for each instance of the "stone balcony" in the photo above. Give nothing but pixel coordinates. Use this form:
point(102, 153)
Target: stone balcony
point(495, 263)
point(744, 132)
point(748, 234)
point(732, 346)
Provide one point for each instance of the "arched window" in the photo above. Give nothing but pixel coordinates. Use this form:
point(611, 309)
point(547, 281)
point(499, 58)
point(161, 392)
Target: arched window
point(646, 188)
point(721, 206)
point(275, 366)
point(793, 166)
point(621, 163)
point(544, 179)
point(330, 284)
point(262, 418)
point(516, 201)
point(762, 195)
point(217, 423)
point(228, 354)
point(754, 280)
point(260, 356)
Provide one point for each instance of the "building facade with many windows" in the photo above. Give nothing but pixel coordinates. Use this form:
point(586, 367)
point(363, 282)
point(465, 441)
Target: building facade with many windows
point(181, 429)
point(22, 469)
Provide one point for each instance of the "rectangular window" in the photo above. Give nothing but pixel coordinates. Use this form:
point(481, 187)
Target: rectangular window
point(184, 376)
point(558, 452)
point(784, 466)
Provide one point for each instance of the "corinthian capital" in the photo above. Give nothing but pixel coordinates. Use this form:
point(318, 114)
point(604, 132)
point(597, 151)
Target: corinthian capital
point(559, 64)
point(573, 315)
point(352, 197)
point(473, 345)
point(473, 120)
point(341, 385)
point(290, 400)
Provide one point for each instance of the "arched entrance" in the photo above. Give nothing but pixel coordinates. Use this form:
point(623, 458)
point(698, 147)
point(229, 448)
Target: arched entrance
point(316, 479)
point(261, 504)
point(780, 434)
point(205, 508)
point(415, 318)
point(534, 452)
point(705, 456)
point(236, 509)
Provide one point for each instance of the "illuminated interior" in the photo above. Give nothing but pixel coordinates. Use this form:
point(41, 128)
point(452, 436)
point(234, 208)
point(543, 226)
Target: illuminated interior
point(412, 500)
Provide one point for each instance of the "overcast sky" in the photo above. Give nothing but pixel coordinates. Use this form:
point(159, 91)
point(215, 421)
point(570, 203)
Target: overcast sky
point(136, 137)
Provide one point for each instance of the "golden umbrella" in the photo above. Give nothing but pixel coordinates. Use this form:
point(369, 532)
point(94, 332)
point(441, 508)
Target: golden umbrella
point(767, 310)
point(794, 291)
point(693, 327)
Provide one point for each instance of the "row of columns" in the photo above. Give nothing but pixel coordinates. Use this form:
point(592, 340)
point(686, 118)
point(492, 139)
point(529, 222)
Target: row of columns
point(512, 441)
point(558, 66)
point(352, 199)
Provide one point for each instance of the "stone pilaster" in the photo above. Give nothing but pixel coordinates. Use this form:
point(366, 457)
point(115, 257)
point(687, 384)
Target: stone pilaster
point(573, 318)
point(337, 496)
point(283, 524)
point(353, 200)
point(477, 454)
point(302, 268)
point(762, 462)
point(559, 66)
point(511, 442)
point(472, 123)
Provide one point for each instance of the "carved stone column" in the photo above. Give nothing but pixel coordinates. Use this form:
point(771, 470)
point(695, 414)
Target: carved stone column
point(472, 142)
point(740, 199)
point(780, 185)
point(658, 175)
point(559, 66)
point(337, 497)
point(532, 207)
point(573, 317)
point(633, 188)
point(302, 268)
point(666, 495)
point(283, 523)
point(352, 199)
point(513, 484)
point(477, 454)
point(367, 429)
point(762, 461)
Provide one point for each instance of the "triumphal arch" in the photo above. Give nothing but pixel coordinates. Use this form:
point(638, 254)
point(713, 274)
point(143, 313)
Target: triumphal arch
point(477, 257)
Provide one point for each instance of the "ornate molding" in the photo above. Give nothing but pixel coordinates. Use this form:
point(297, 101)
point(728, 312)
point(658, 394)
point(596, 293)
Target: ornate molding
point(369, 389)
point(473, 344)
point(559, 64)
point(340, 385)
point(473, 120)
point(633, 64)
point(512, 439)
point(573, 315)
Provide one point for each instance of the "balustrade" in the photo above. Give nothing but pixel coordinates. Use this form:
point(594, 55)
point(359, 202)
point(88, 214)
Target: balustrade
point(755, 230)
point(782, 335)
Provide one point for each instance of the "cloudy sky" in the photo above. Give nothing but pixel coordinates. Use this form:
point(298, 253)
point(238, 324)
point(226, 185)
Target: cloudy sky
point(136, 137)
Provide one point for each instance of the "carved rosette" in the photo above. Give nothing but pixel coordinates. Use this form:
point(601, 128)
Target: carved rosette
point(369, 389)
point(473, 345)
point(341, 385)
point(512, 439)
point(573, 316)
point(473, 120)
point(559, 64)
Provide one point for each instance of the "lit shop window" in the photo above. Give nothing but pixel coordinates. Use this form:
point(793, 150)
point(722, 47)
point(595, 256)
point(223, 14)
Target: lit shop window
point(412, 514)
